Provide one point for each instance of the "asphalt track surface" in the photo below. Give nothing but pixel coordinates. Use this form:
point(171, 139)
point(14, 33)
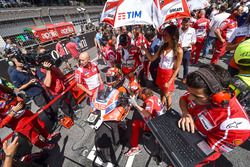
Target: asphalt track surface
point(76, 145)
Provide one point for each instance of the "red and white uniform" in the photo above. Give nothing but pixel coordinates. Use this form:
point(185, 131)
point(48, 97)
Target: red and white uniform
point(201, 28)
point(227, 28)
point(88, 76)
point(110, 56)
point(143, 58)
point(224, 128)
point(165, 71)
point(17, 122)
point(152, 105)
point(129, 58)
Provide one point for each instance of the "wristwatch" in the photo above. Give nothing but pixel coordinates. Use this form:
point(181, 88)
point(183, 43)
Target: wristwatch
point(10, 155)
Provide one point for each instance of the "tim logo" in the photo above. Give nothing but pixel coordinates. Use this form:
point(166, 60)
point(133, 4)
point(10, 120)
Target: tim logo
point(129, 15)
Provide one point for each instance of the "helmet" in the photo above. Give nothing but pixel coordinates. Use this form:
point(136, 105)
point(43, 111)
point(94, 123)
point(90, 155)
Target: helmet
point(110, 42)
point(113, 76)
point(242, 53)
point(124, 39)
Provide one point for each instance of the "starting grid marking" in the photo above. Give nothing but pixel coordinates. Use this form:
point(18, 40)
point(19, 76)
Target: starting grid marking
point(92, 156)
point(98, 161)
point(94, 59)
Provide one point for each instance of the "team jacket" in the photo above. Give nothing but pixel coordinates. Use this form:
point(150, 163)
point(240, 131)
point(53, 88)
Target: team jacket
point(224, 128)
point(228, 27)
point(109, 55)
point(138, 42)
point(201, 27)
point(129, 58)
point(89, 76)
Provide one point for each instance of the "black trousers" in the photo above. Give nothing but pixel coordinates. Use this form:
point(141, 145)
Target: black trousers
point(66, 103)
point(41, 100)
point(186, 62)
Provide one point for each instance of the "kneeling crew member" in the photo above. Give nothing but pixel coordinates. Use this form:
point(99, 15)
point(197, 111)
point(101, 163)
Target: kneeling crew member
point(152, 107)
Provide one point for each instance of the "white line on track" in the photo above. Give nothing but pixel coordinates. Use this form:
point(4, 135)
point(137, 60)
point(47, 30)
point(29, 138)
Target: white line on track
point(130, 161)
point(91, 157)
point(94, 59)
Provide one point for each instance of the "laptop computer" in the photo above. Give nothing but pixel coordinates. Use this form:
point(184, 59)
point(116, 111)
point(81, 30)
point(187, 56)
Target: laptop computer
point(184, 149)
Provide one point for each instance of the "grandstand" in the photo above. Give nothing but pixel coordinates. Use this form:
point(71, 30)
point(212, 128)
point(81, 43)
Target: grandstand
point(17, 18)
point(27, 3)
point(19, 15)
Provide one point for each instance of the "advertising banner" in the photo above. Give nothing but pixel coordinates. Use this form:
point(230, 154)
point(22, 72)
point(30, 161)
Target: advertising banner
point(51, 32)
point(131, 12)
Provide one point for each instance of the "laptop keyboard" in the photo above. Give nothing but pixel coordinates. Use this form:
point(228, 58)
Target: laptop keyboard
point(177, 141)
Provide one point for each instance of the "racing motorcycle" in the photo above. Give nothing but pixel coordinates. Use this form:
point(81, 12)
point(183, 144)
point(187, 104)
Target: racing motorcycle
point(107, 117)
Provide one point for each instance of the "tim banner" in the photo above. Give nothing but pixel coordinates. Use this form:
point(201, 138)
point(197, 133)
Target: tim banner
point(130, 12)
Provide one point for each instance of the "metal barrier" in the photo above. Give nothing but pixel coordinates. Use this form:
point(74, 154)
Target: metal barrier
point(71, 86)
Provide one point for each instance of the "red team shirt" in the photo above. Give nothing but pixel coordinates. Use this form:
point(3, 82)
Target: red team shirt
point(201, 26)
point(141, 40)
point(73, 49)
point(227, 28)
point(129, 58)
point(89, 76)
point(57, 81)
point(154, 106)
point(224, 128)
point(109, 55)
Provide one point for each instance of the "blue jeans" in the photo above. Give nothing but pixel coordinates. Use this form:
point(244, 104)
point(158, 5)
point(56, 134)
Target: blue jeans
point(208, 44)
point(186, 62)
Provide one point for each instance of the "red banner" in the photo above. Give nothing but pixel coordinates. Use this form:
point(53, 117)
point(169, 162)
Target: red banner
point(51, 32)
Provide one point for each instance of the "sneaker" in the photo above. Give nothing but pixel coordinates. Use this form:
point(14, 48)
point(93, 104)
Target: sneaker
point(53, 135)
point(49, 147)
point(133, 151)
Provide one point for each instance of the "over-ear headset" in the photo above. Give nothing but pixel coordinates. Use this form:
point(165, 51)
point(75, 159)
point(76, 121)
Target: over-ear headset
point(219, 96)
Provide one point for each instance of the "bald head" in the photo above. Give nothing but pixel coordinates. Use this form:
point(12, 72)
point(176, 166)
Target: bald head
point(84, 58)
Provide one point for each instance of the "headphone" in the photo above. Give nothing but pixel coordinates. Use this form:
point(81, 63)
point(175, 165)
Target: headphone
point(219, 96)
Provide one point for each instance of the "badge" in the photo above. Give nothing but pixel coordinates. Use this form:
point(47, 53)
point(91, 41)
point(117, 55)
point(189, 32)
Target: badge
point(237, 142)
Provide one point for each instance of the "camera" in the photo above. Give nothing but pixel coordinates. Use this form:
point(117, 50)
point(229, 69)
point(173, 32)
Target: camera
point(12, 51)
point(51, 57)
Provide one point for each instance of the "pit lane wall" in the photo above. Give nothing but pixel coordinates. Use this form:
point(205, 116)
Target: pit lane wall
point(87, 41)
